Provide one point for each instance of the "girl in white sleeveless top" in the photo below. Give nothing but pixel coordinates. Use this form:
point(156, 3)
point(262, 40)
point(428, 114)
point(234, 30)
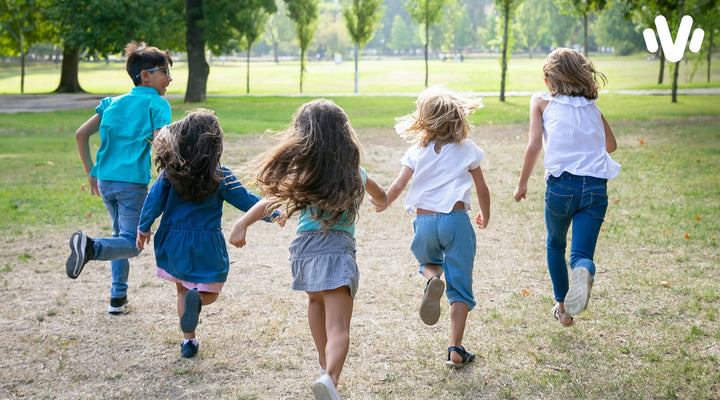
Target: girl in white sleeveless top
point(577, 141)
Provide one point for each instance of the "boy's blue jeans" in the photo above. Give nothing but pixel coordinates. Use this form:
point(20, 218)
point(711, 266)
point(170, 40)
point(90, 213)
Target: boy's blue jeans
point(582, 201)
point(124, 202)
point(447, 240)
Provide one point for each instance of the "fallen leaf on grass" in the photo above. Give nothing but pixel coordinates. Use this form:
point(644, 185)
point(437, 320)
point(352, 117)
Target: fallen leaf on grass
point(525, 292)
point(687, 236)
point(664, 283)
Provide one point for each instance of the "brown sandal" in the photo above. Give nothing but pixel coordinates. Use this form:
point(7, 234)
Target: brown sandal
point(555, 312)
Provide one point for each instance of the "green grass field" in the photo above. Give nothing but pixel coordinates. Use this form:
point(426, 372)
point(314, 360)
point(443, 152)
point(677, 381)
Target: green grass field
point(651, 330)
point(388, 75)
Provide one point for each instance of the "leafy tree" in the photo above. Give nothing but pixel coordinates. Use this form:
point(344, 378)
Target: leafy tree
point(532, 23)
point(253, 22)
point(614, 27)
point(22, 26)
point(644, 12)
point(278, 30)
point(221, 32)
point(401, 36)
point(304, 14)
point(581, 8)
point(362, 18)
point(507, 9)
point(425, 13)
point(561, 26)
point(103, 27)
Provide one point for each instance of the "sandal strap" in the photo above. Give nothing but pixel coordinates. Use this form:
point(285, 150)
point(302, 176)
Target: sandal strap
point(460, 350)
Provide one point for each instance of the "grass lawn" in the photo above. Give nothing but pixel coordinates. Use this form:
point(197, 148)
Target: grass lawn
point(651, 330)
point(386, 75)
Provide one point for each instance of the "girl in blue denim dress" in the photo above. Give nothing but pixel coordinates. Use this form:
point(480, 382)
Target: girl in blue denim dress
point(444, 165)
point(315, 170)
point(577, 141)
point(190, 248)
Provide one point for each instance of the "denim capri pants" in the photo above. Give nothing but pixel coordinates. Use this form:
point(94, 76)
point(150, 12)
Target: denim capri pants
point(323, 260)
point(447, 240)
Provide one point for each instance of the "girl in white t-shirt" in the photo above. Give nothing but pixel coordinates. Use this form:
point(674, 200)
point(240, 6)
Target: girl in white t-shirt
point(443, 164)
point(577, 141)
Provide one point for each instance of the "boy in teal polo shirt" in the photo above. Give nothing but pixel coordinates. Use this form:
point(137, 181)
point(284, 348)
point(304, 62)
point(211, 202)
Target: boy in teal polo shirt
point(127, 124)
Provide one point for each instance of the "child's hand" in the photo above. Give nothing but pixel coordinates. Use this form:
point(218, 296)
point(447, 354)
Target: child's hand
point(281, 219)
point(379, 206)
point(481, 222)
point(94, 191)
point(237, 236)
point(520, 193)
point(142, 238)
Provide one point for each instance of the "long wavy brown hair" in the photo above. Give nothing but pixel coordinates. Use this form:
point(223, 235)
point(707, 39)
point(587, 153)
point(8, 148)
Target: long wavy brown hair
point(188, 151)
point(440, 117)
point(315, 166)
point(570, 73)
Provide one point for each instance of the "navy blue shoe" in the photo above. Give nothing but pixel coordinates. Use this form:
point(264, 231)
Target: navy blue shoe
point(189, 349)
point(191, 315)
point(81, 251)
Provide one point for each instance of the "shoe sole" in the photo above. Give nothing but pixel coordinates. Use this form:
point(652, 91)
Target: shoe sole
point(189, 319)
point(323, 392)
point(577, 297)
point(74, 264)
point(117, 310)
point(430, 305)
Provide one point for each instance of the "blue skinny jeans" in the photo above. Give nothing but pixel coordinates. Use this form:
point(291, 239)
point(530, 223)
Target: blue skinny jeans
point(581, 201)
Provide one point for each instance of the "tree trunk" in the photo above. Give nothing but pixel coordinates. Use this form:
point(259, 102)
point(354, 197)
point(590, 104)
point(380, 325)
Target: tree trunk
point(709, 54)
point(198, 68)
point(247, 73)
point(357, 55)
point(427, 42)
point(676, 71)
point(585, 50)
point(69, 72)
point(662, 66)
point(22, 64)
point(302, 65)
point(504, 52)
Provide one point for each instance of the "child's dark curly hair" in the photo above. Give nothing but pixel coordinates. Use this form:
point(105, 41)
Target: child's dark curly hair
point(316, 166)
point(188, 151)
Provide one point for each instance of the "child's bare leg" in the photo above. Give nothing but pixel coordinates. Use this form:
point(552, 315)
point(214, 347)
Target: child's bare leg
point(205, 297)
point(338, 312)
point(316, 320)
point(458, 317)
point(432, 270)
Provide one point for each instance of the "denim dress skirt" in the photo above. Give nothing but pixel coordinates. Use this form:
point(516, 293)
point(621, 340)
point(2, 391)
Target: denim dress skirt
point(324, 260)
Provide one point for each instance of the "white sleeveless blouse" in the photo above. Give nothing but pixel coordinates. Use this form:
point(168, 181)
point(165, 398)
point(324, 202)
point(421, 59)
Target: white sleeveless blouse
point(574, 138)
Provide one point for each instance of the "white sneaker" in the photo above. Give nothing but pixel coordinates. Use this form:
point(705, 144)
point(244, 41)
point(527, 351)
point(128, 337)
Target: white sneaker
point(324, 389)
point(577, 297)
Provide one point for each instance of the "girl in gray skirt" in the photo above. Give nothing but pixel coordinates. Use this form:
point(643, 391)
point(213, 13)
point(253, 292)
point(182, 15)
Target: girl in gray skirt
point(316, 171)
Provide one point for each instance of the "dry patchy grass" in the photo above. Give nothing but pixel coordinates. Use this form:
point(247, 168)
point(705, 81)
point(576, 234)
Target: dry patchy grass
point(637, 340)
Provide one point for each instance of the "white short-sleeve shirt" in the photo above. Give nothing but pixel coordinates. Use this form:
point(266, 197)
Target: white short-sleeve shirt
point(441, 180)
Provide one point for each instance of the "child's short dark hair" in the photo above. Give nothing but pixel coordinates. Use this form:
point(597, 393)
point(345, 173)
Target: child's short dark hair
point(140, 56)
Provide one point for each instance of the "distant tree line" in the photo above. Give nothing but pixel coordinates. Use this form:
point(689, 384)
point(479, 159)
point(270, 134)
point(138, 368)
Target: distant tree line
point(323, 29)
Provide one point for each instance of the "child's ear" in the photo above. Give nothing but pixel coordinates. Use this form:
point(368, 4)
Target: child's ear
point(546, 83)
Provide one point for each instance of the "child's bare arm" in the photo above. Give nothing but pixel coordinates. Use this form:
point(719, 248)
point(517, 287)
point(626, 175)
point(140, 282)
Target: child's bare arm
point(254, 214)
point(397, 187)
point(534, 147)
point(378, 197)
point(610, 143)
point(483, 195)
point(82, 137)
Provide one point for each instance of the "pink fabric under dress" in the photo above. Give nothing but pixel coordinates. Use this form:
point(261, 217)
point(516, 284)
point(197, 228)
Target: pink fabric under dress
point(211, 287)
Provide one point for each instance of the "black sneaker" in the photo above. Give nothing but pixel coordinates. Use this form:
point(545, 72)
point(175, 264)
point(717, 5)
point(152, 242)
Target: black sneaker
point(193, 304)
point(117, 305)
point(189, 349)
point(81, 251)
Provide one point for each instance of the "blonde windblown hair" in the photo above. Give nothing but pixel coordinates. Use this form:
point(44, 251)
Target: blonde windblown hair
point(570, 73)
point(440, 117)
